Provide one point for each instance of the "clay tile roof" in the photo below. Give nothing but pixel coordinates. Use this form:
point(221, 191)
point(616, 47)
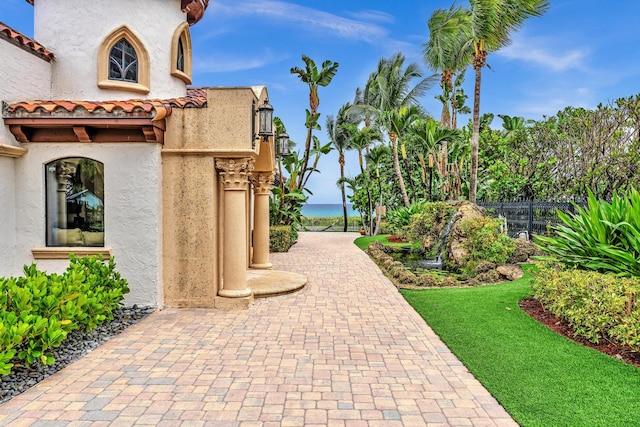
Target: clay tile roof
point(25, 42)
point(159, 109)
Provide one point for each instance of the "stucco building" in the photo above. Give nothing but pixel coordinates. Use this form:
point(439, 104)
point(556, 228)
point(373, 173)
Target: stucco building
point(106, 149)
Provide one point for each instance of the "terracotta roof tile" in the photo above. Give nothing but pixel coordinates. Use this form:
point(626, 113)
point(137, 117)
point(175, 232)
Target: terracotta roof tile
point(24, 41)
point(196, 98)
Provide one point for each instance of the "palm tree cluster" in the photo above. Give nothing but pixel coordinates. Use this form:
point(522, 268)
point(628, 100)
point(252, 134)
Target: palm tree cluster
point(406, 156)
point(386, 118)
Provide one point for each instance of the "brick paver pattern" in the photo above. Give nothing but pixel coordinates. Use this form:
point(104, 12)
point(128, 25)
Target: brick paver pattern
point(347, 350)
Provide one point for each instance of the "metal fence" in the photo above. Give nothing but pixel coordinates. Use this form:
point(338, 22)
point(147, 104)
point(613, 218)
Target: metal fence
point(526, 218)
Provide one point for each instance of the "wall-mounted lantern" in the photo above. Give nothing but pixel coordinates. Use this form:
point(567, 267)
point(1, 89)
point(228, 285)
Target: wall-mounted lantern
point(265, 121)
point(282, 150)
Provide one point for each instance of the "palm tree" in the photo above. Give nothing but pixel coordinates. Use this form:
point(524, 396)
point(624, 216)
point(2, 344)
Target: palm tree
point(391, 86)
point(430, 135)
point(397, 122)
point(339, 138)
point(448, 30)
point(491, 24)
point(313, 78)
point(360, 139)
point(375, 156)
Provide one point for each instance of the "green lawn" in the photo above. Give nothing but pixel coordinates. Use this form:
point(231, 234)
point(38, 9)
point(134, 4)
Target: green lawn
point(540, 377)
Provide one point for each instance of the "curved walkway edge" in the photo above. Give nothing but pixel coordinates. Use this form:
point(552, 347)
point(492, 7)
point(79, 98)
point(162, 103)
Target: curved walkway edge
point(346, 350)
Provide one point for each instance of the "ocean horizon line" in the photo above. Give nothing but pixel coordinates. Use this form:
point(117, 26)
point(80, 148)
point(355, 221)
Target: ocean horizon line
point(327, 210)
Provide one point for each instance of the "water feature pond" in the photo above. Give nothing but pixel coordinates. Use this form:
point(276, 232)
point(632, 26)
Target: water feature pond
point(416, 263)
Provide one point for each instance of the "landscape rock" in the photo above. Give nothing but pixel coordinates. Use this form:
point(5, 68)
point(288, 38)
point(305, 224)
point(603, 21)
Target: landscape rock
point(457, 253)
point(510, 271)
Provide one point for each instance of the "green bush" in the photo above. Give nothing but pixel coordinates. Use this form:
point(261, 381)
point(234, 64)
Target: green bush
point(280, 238)
point(485, 242)
point(399, 218)
point(597, 306)
point(37, 311)
point(602, 237)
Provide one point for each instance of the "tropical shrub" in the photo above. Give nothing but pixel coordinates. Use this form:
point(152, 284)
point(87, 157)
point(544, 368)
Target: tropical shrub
point(597, 306)
point(485, 242)
point(602, 237)
point(280, 238)
point(399, 218)
point(38, 310)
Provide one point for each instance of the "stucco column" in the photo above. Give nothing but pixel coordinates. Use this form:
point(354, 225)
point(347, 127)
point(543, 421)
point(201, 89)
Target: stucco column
point(261, 188)
point(235, 177)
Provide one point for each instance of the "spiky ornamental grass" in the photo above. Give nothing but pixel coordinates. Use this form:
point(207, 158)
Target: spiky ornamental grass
point(602, 237)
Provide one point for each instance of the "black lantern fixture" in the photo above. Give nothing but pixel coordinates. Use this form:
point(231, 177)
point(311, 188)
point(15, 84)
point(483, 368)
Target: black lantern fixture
point(282, 150)
point(265, 121)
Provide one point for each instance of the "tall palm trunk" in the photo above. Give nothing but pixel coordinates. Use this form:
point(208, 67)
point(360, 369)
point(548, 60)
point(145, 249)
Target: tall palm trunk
point(344, 194)
point(407, 165)
point(478, 62)
point(396, 167)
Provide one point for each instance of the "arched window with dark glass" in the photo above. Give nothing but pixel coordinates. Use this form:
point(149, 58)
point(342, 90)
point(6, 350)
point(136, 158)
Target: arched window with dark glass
point(123, 62)
point(180, 59)
point(75, 202)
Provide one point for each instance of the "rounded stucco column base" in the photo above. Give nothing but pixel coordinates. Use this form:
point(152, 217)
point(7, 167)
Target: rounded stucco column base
point(226, 303)
point(265, 266)
point(235, 293)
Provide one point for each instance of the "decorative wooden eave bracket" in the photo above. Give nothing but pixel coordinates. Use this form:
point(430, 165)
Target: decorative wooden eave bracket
point(80, 125)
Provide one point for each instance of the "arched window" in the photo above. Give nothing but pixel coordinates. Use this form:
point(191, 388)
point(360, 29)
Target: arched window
point(180, 59)
point(123, 62)
point(181, 53)
point(75, 202)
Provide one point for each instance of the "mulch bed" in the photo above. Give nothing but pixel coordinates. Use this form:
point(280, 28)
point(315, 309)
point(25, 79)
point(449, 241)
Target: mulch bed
point(535, 309)
point(394, 238)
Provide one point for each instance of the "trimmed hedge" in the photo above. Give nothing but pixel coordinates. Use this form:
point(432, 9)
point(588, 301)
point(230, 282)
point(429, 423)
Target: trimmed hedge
point(37, 311)
point(597, 306)
point(280, 238)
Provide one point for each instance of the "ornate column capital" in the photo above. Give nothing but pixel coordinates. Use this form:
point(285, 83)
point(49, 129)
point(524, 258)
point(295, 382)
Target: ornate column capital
point(235, 172)
point(262, 182)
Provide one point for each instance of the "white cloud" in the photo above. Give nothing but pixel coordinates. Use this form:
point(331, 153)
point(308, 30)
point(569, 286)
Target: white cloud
point(214, 63)
point(536, 50)
point(309, 18)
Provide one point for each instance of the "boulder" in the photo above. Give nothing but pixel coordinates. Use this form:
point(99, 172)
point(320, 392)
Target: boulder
point(524, 250)
point(455, 245)
point(510, 271)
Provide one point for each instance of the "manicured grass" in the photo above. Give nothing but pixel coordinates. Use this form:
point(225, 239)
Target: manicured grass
point(540, 377)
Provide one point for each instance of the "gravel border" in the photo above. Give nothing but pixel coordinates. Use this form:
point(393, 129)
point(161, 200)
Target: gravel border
point(76, 345)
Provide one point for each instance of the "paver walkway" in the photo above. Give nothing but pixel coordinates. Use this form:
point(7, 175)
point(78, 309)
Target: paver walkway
point(346, 350)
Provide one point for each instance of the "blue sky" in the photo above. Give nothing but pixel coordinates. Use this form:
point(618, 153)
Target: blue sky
point(580, 53)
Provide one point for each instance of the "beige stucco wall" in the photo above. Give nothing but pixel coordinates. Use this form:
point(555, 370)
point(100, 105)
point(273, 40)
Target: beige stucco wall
point(191, 225)
point(193, 196)
point(133, 225)
point(74, 29)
